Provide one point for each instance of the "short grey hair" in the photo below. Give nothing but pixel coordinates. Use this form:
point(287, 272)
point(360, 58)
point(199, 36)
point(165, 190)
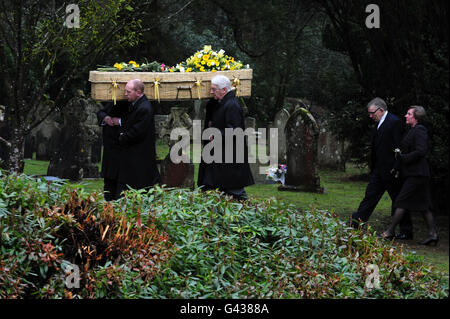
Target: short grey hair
point(222, 82)
point(378, 102)
point(419, 112)
point(138, 85)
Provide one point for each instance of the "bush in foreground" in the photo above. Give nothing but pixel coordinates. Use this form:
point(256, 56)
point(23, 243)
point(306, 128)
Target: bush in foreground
point(171, 243)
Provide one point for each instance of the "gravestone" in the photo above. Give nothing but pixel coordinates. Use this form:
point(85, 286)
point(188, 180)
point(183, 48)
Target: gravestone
point(279, 122)
point(177, 118)
point(160, 120)
point(73, 158)
point(176, 174)
point(43, 140)
point(250, 122)
point(302, 134)
point(331, 150)
point(257, 177)
point(198, 112)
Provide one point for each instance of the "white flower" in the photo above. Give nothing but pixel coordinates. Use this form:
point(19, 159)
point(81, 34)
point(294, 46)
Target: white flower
point(181, 69)
point(221, 52)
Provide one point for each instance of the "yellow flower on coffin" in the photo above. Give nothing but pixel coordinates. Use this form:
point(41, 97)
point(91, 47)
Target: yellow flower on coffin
point(202, 69)
point(189, 70)
point(134, 64)
point(206, 48)
point(118, 66)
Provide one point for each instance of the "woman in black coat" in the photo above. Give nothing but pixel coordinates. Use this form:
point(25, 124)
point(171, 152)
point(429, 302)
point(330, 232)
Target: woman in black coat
point(415, 173)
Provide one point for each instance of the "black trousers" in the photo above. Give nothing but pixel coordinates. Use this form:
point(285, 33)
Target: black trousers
point(112, 189)
point(374, 191)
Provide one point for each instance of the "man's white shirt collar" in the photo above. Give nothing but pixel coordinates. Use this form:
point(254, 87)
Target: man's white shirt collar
point(382, 119)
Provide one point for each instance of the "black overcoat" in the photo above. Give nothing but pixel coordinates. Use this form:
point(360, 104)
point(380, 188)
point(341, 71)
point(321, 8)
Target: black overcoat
point(227, 113)
point(385, 140)
point(414, 147)
point(138, 167)
point(111, 149)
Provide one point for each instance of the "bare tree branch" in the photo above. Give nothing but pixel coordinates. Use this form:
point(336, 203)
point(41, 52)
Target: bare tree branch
point(169, 17)
point(5, 142)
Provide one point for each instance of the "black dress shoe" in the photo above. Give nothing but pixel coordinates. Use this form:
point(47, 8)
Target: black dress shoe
point(433, 240)
point(404, 236)
point(386, 235)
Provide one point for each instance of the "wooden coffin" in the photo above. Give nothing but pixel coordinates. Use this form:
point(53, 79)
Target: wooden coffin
point(166, 86)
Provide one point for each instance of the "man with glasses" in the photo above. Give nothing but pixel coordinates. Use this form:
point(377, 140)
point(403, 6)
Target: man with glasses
point(386, 137)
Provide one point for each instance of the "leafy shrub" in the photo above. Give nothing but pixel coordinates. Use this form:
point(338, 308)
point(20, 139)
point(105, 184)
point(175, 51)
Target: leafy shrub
point(172, 243)
point(43, 229)
point(268, 250)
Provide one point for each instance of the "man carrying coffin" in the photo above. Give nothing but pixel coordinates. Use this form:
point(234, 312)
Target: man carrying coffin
point(231, 172)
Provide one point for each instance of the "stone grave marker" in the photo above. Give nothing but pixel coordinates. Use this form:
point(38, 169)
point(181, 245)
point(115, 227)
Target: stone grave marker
point(302, 134)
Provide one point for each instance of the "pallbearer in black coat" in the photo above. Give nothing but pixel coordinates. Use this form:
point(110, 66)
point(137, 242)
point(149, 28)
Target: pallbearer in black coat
point(138, 168)
point(225, 111)
point(415, 173)
point(386, 136)
point(109, 118)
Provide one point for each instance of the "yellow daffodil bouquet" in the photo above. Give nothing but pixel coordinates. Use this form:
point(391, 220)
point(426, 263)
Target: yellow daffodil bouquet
point(207, 60)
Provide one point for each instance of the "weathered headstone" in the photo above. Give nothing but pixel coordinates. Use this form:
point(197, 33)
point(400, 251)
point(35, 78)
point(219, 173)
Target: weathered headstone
point(160, 120)
point(302, 134)
point(257, 176)
point(331, 149)
point(279, 122)
point(73, 158)
point(198, 112)
point(43, 139)
point(250, 122)
point(176, 174)
point(178, 118)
